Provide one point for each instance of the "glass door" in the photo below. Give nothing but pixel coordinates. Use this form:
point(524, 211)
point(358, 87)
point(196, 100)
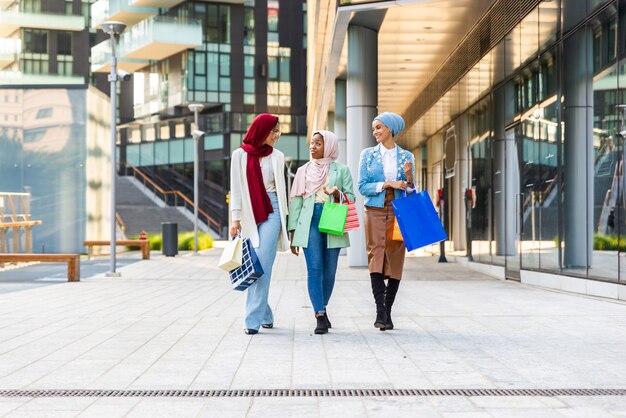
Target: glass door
point(514, 201)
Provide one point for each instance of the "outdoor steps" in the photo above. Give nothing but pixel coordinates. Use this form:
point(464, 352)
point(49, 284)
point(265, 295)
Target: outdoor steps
point(139, 212)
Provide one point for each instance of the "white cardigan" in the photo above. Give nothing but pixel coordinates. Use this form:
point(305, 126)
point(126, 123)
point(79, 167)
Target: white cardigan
point(240, 196)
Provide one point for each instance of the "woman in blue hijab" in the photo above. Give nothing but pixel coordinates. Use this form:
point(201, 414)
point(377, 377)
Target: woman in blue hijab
point(385, 172)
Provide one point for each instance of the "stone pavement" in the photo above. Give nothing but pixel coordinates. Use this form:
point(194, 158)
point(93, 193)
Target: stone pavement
point(174, 324)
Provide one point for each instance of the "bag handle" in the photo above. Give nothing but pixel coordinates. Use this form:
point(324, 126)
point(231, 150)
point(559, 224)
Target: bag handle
point(341, 198)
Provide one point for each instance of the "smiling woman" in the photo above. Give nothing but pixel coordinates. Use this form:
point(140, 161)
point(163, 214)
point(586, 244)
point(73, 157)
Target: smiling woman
point(314, 183)
point(258, 203)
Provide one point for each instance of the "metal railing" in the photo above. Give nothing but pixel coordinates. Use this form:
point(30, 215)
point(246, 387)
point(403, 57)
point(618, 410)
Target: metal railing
point(169, 196)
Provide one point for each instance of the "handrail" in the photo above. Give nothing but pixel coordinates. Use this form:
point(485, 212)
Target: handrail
point(120, 221)
point(175, 193)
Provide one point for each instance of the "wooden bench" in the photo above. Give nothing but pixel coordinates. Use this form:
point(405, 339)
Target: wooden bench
point(143, 244)
point(72, 260)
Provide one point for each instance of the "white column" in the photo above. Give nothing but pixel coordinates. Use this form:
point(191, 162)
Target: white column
point(361, 108)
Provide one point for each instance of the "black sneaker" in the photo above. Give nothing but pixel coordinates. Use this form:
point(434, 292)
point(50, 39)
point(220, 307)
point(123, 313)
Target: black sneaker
point(251, 331)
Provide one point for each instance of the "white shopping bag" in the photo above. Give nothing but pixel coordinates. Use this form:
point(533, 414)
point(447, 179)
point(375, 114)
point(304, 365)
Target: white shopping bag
point(232, 255)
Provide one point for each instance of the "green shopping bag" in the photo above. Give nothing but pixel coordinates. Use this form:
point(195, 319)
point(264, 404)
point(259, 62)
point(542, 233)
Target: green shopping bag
point(333, 219)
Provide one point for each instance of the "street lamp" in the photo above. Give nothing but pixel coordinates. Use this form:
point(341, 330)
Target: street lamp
point(290, 175)
point(197, 134)
point(113, 29)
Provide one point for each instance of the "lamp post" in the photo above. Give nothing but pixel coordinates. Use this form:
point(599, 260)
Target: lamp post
point(290, 175)
point(197, 134)
point(113, 29)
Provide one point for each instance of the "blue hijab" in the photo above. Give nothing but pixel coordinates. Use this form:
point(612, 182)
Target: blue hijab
point(393, 121)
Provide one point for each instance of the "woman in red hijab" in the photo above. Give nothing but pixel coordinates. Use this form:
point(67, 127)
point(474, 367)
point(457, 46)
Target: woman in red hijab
point(258, 204)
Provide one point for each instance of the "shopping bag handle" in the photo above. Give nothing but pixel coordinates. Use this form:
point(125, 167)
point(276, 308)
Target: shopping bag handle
point(341, 198)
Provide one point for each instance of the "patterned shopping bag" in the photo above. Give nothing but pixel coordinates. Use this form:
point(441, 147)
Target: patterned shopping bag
point(397, 235)
point(352, 220)
point(250, 270)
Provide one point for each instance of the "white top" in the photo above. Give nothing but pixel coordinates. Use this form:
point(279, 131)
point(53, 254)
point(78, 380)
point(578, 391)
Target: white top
point(240, 195)
point(390, 167)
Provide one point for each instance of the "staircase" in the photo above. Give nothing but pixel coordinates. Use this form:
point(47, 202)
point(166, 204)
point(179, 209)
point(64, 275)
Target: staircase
point(140, 212)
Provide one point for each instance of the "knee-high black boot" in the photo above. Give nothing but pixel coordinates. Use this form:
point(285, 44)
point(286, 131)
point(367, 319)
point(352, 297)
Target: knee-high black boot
point(390, 297)
point(378, 289)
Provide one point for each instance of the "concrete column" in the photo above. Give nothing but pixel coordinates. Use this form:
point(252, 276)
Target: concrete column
point(361, 102)
point(505, 177)
point(578, 149)
point(339, 120)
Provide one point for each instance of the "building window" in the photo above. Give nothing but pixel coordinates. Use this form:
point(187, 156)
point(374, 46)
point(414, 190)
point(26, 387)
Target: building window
point(30, 6)
point(64, 43)
point(35, 41)
point(216, 21)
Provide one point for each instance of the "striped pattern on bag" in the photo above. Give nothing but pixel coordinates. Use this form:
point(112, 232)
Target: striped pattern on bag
point(352, 220)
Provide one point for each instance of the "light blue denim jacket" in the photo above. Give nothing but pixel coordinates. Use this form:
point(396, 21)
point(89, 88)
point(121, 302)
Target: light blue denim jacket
point(371, 173)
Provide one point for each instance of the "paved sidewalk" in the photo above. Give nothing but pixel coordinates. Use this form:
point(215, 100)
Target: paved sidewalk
point(175, 324)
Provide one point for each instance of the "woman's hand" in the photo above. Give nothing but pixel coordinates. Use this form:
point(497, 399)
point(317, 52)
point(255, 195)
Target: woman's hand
point(235, 229)
point(334, 191)
point(408, 171)
point(396, 184)
point(294, 250)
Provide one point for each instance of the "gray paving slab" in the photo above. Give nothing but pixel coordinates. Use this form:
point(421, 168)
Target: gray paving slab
point(173, 323)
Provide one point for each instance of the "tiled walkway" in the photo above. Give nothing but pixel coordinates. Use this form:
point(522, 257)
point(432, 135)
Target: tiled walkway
point(175, 324)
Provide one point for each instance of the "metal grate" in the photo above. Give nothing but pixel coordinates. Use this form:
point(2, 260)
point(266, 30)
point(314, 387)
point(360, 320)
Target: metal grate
point(254, 393)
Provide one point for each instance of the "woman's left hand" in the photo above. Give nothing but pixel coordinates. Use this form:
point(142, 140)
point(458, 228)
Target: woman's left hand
point(408, 171)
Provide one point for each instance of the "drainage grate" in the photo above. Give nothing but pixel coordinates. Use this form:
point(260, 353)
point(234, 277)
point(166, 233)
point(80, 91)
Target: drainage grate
point(254, 393)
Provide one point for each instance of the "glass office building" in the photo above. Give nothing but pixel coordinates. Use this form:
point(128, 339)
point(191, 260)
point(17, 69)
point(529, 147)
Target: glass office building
point(236, 58)
point(52, 133)
point(517, 117)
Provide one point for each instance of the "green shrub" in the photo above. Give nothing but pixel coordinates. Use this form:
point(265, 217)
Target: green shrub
point(609, 243)
point(185, 241)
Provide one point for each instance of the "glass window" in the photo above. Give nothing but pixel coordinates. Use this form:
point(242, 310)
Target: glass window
point(35, 41)
point(64, 43)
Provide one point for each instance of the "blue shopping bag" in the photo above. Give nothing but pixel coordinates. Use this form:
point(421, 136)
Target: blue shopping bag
point(250, 270)
point(418, 220)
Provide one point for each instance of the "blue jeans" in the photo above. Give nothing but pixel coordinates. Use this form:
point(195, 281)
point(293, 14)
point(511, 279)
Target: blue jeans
point(321, 264)
point(258, 311)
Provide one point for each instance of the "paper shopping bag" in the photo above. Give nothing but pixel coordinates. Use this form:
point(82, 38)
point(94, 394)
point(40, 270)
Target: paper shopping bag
point(352, 219)
point(333, 219)
point(232, 255)
point(397, 235)
point(418, 220)
point(250, 270)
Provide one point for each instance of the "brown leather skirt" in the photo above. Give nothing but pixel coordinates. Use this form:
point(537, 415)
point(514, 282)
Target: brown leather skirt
point(384, 255)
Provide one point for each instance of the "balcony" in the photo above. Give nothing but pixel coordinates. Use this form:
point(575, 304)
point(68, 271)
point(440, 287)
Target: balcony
point(166, 4)
point(9, 51)
point(171, 3)
point(120, 11)
point(160, 37)
point(19, 78)
point(101, 60)
point(12, 20)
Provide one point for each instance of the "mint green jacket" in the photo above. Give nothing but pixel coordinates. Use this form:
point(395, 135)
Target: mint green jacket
point(301, 210)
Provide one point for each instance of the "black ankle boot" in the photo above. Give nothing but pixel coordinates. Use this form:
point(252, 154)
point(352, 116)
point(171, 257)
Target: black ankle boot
point(378, 290)
point(328, 324)
point(322, 326)
point(390, 297)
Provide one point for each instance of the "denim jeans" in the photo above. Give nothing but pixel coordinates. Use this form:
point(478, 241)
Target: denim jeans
point(258, 310)
point(321, 264)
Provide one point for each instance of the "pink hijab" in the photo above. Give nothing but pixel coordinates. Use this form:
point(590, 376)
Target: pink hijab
point(311, 176)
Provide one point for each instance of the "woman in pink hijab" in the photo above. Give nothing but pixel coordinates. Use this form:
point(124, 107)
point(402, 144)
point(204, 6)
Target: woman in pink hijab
point(314, 183)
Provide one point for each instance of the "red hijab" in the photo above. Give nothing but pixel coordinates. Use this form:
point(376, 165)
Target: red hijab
point(253, 145)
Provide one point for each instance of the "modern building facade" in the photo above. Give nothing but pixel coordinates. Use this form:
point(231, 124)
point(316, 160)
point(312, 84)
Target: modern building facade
point(237, 58)
point(52, 131)
point(515, 113)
